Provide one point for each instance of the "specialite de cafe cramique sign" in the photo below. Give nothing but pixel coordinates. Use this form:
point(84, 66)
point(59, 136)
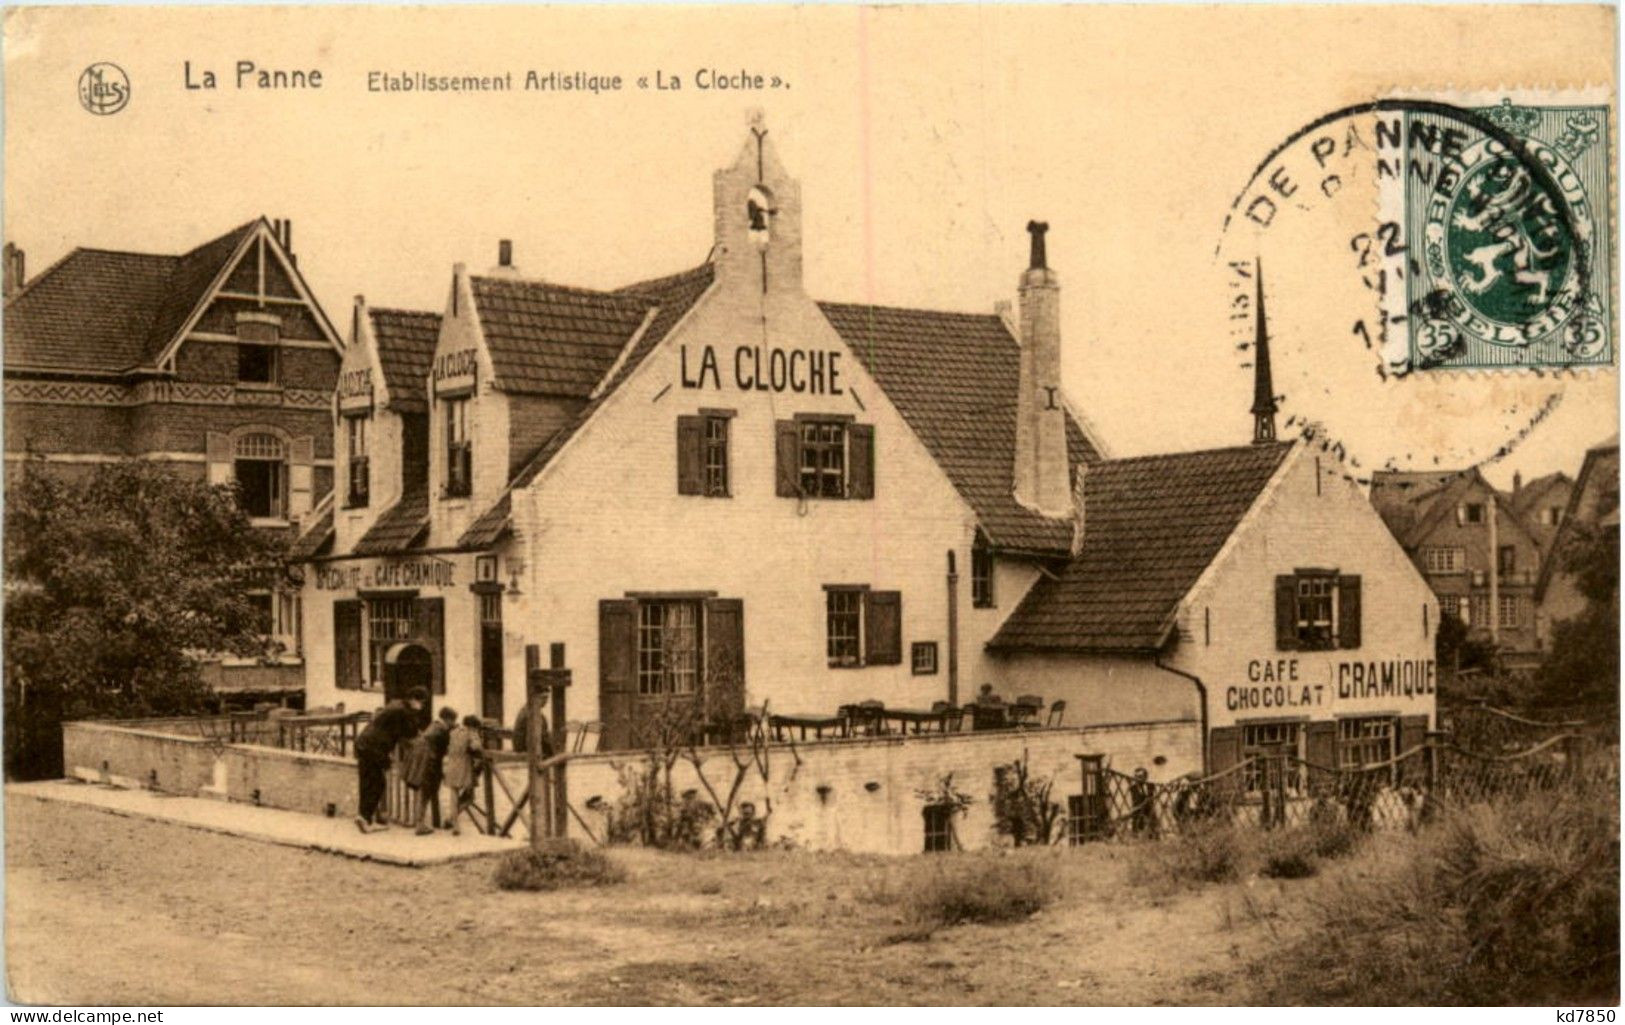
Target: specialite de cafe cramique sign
point(396, 573)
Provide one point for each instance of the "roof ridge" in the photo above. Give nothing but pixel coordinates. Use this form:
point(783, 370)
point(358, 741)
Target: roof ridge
point(1155, 456)
point(910, 309)
point(666, 282)
point(626, 297)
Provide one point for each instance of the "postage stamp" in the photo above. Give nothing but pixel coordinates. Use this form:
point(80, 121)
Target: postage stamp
point(1509, 244)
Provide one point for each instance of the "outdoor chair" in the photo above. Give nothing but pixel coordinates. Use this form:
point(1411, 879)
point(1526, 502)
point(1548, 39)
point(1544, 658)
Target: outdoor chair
point(1057, 712)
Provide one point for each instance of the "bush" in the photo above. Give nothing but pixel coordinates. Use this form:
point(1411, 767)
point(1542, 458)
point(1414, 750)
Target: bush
point(1208, 852)
point(562, 865)
point(1515, 902)
point(950, 889)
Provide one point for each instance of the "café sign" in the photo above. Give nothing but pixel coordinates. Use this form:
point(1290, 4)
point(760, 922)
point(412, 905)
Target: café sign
point(401, 573)
point(454, 371)
point(762, 368)
point(1274, 683)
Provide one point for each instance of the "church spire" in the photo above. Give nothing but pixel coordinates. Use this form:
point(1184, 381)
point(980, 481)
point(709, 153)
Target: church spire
point(1263, 387)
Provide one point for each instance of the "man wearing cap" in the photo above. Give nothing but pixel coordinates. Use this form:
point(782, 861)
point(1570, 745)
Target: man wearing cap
point(393, 724)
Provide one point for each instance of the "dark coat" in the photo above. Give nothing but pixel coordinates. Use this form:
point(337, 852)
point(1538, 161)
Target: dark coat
point(391, 725)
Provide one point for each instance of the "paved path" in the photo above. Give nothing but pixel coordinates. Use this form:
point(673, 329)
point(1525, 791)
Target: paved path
point(396, 846)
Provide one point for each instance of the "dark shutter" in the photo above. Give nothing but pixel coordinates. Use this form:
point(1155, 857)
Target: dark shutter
point(724, 657)
point(1321, 744)
point(1223, 749)
point(617, 671)
point(347, 644)
point(787, 459)
point(861, 468)
point(1286, 613)
point(690, 455)
point(1348, 611)
point(429, 630)
point(883, 615)
point(1413, 733)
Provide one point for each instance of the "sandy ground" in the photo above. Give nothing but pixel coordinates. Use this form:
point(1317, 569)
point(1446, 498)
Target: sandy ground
point(106, 909)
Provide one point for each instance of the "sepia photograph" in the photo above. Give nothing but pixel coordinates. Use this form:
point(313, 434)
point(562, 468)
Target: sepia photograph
point(811, 505)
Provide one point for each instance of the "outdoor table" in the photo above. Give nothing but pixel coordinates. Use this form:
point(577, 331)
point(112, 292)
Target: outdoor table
point(989, 717)
point(294, 730)
point(1022, 715)
point(817, 723)
point(917, 718)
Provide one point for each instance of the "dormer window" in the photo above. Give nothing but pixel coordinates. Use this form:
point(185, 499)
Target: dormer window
point(355, 432)
point(459, 450)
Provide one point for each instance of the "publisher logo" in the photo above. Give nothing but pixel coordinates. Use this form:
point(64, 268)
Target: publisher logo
point(104, 88)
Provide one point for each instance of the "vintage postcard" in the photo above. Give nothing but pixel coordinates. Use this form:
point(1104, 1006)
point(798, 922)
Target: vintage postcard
point(811, 505)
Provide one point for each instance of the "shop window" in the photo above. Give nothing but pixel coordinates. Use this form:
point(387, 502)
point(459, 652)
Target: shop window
point(1444, 560)
point(939, 828)
point(702, 454)
point(459, 450)
point(981, 572)
point(1317, 610)
point(388, 620)
point(862, 627)
point(1365, 741)
point(260, 465)
point(668, 647)
point(1260, 741)
point(355, 432)
point(923, 658)
point(256, 364)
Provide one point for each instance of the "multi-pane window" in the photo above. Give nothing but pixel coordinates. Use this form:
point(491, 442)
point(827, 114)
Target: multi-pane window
point(1479, 610)
point(1314, 610)
point(388, 620)
point(844, 612)
point(823, 458)
point(1261, 740)
point(459, 449)
point(981, 573)
point(1450, 605)
point(355, 433)
point(923, 658)
point(668, 647)
point(1443, 560)
point(1507, 559)
point(285, 626)
point(256, 364)
point(716, 455)
point(1362, 742)
point(1510, 609)
point(260, 466)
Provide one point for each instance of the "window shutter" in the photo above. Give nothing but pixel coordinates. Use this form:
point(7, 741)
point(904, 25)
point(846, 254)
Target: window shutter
point(1412, 733)
point(347, 644)
point(787, 448)
point(218, 453)
point(617, 671)
point(301, 457)
point(883, 618)
point(1348, 611)
point(1461, 513)
point(861, 466)
point(1321, 744)
point(429, 630)
point(690, 455)
point(1286, 613)
point(724, 656)
point(1223, 749)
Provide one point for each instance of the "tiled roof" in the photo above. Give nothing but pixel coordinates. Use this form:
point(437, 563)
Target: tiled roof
point(1603, 459)
point(1405, 498)
point(1526, 498)
point(315, 539)
point(97, 310)
point(1151, 526)
point(955, 378)
point(406, 341)
point(674, 295)
point(400, 527)
point(550, 340)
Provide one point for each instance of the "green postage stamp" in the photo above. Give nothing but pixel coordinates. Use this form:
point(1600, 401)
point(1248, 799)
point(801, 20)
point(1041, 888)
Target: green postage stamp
point(1510, 243)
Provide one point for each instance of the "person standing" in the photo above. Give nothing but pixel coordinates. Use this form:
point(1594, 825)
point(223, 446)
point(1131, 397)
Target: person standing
point(393, 724)
point(463, 754)
point(427, 767)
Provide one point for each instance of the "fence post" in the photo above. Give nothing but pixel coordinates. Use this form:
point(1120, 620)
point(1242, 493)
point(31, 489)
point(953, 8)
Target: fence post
point(535, 692)
point(1430, 758)
point(1275, 787)
point(1574, 755)
point(558, 679)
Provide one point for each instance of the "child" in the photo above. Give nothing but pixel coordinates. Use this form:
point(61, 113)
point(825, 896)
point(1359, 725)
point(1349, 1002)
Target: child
point(463, 755)
point(427, 767)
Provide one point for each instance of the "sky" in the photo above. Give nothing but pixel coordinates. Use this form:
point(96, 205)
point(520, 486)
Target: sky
point(924, 140)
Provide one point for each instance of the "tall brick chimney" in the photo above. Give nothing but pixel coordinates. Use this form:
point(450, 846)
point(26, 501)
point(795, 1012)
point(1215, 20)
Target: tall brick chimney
point(15, 277)
point(505, 267)
point(1041, 472)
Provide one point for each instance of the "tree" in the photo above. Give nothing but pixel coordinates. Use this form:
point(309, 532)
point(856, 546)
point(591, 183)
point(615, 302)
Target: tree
point(116, 584)
point(1584, 664)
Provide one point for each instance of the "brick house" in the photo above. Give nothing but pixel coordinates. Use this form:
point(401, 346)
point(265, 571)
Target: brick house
point(711, 483)
point(1593, 501)
point(1479, 555)
point(217, 364)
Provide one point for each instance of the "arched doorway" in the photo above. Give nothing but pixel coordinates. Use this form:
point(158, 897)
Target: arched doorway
point(408, 665)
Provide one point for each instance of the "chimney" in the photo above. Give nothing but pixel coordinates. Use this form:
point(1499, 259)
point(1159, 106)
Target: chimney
point(504, 266)
point(15, 277)
point(1517, 482)
point(287, 236)
point(1041, 471)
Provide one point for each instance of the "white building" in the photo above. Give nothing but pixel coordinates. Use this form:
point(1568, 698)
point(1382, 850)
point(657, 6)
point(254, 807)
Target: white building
point(710, 479)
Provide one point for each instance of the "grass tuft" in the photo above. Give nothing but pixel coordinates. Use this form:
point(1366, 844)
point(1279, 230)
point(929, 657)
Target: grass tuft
point(561, 865)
